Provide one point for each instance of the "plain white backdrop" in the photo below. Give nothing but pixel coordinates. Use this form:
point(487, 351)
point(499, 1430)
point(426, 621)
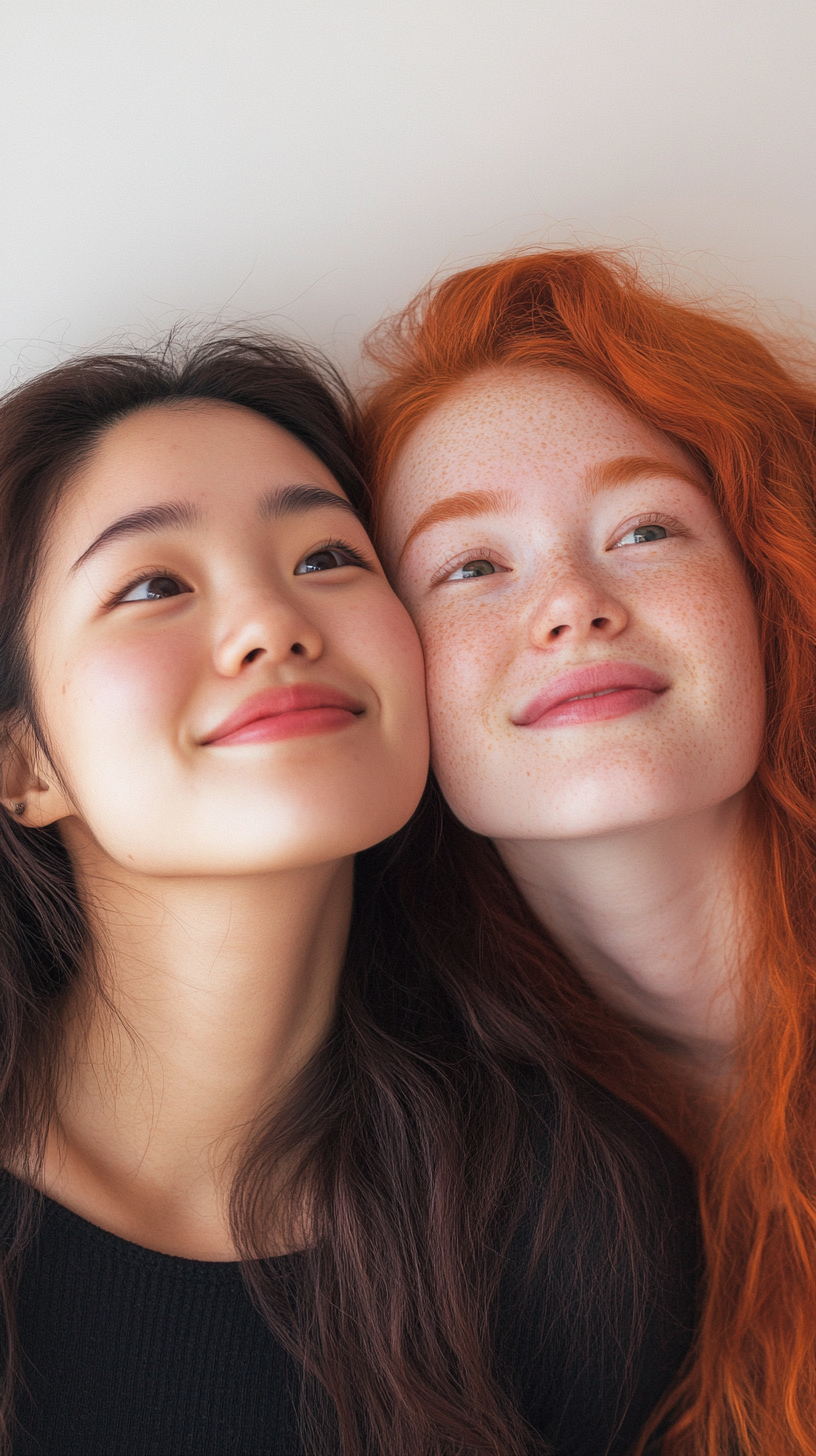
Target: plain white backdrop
point(313, 162)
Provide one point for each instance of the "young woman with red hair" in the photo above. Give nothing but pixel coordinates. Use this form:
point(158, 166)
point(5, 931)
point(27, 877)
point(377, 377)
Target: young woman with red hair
point(598, 504)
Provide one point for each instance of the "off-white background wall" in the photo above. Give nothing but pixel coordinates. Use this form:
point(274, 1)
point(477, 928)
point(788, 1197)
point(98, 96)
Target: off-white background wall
point(314, 161)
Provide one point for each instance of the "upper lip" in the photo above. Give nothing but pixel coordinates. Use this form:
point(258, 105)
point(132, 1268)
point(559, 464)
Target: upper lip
point(293, 698)
point(597, 677)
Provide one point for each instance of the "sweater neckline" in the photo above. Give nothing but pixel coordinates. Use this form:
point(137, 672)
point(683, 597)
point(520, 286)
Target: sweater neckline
point(56, 1214)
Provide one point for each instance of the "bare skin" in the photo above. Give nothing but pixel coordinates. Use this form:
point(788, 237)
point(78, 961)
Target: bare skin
point(534, 529)
point(665, 957)
point(222, 994)
point(215, 868)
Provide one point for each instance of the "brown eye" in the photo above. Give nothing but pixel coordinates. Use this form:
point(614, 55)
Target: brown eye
point(328, 558)
point(155, 589)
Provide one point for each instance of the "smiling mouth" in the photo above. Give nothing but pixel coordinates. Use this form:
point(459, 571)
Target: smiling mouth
point(594, 693)
point(604, 693)
point(295, 711)
point(303, 723)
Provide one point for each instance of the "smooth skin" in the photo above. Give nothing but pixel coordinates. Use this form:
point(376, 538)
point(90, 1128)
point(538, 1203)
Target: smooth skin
point(217, 876)
point(533, 526)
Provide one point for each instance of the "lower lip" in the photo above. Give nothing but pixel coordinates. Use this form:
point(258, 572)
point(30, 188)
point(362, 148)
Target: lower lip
point(302, 724)
point(616, 704)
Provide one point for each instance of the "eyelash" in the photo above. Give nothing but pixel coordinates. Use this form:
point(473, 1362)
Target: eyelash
point(143, 576)
point(651, 518)
point(478, 554)
point(335, 544)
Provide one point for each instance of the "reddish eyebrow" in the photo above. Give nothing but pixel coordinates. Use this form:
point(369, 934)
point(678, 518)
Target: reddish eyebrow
point(627, 468)
point(605, 476)
point(467, 503)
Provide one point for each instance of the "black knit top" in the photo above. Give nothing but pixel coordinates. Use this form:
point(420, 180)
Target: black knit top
point(128, 1352)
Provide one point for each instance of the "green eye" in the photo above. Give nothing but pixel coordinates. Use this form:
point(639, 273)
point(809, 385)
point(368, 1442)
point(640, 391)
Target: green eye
point(472, 569)
point(641, 535)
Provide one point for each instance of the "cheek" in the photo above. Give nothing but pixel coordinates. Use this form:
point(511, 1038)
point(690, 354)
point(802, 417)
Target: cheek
point(116, 699)
point(389, 639)
point(465, 658)
point(379, 643)
point(712, 622)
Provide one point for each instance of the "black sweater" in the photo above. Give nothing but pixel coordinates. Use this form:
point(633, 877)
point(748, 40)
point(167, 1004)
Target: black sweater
point(128, 1352)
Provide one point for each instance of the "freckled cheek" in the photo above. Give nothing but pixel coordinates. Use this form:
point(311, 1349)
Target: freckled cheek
point(711, 623)
point(463, 662)
point(713, 620)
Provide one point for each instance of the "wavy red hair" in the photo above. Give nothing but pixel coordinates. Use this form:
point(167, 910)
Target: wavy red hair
point(715, 387)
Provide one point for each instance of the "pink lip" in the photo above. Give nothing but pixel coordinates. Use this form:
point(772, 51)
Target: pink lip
point(287, 712)
point(625, 687)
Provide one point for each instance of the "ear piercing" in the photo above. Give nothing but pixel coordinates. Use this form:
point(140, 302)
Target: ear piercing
point(19, 808)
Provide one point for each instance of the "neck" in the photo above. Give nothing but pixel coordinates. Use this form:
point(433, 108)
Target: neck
point(212, 995)
point(651, 917)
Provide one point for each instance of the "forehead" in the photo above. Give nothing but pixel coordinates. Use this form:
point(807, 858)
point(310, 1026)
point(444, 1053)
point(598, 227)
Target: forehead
point(509, 428)
point(209, 451)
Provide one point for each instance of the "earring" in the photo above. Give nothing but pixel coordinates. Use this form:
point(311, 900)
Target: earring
point(19, 808)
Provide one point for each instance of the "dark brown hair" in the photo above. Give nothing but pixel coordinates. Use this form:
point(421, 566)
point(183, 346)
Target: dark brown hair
point(414, 1135)
point(716, 388)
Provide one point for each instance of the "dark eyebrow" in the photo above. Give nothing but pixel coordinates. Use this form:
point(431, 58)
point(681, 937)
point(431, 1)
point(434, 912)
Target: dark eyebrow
point(155, 518)
point(296, 500)
point(293, 500)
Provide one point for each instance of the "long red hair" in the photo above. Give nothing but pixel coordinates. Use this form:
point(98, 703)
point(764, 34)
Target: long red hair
point(718, 390)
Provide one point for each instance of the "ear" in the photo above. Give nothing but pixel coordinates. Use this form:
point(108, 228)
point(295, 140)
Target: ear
point(30, 796)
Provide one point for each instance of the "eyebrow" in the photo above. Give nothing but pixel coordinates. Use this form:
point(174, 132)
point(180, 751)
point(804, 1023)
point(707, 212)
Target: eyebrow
point(154, 518)
point(296, 500)
point(471, 504)
point(275, 505)
point(466, 504)
point(627, 468)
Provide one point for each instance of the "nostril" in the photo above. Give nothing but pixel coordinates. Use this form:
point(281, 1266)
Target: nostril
point(600, 621)
point(256, 652)
point(556, 631)
point(298, 649)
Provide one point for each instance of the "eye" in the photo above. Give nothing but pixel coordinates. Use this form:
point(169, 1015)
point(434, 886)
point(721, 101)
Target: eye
point(642, 535)
point(472, 569)
point(154, 589)
point(329, 558)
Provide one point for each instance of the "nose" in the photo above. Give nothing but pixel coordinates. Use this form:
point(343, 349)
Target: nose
point(264, 626)
point(578, 607)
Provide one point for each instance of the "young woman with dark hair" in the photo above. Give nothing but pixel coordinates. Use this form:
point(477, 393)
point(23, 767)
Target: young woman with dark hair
point(284, 1171)
point(598, 504)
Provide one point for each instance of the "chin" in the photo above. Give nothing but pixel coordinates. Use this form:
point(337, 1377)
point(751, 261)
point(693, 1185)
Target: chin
point(578, 811)
point(250, 829)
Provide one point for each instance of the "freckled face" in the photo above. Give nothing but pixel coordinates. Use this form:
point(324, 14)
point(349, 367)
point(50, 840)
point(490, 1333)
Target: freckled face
point(590, 639)
point(228, 685)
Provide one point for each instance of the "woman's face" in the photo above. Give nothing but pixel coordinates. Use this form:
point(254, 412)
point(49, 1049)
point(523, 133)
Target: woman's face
point(591, 643)
point(224, 677)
